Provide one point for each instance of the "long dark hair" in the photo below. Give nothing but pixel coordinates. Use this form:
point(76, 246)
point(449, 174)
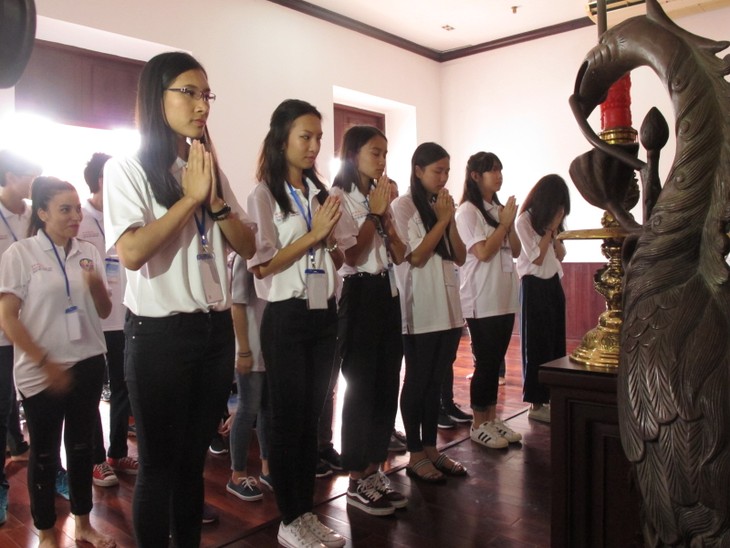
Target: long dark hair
point(354, 139)
point(158, 148)
point(272, 169)
point(42, 192)
point(425, 155)
point(546, 197)
point(481, 162)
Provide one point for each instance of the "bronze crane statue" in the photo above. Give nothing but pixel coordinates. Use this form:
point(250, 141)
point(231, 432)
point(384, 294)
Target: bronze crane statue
point(674, 373)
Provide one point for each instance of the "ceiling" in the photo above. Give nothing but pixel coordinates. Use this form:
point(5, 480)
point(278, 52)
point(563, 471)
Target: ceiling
point(446, 29)
point(473, 21)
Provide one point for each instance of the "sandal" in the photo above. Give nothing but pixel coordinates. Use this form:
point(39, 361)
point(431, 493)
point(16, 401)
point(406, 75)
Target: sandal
point(412, 472)
point(455, 469)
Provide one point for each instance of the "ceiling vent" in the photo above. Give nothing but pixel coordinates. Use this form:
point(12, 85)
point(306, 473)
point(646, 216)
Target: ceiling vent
point(620, 10)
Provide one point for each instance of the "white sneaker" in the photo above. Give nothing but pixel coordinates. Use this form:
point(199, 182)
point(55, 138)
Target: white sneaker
point(540, 412)
point(297, 535)
point(506, 432)
point(322, 533)
point(488, 436)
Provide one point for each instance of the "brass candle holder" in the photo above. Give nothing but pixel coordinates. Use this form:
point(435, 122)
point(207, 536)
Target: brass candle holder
point(600, 346)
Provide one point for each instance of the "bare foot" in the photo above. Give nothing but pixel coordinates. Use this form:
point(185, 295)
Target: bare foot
point(94, 537)
point(48, 542)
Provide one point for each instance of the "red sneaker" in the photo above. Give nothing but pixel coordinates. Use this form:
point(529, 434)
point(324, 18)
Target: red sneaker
point(125, 465)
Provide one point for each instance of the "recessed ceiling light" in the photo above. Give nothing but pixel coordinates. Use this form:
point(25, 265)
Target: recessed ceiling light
point(447, 28)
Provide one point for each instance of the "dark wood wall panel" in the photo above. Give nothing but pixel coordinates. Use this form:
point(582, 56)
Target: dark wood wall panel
point(79, 87)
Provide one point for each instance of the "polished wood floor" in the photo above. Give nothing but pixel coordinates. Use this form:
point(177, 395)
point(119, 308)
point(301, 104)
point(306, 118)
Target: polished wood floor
point(504, 501)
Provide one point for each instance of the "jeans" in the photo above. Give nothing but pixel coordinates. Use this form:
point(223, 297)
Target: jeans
point(428, 357)
point(48, 414)
point(542, 332)
point(490, 338)
point(370, 345)
point(298, 346)
point(252, 407)
point(178, 371)
point(119, 407)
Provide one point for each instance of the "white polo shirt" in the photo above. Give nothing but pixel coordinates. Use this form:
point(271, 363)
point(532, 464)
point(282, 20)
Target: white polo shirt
point(276, 230)
point(92, 230)
point(170, 282)
point(531, 250)
point(13, 228)
point(243, 292)
point(488, 288)
point(429, 295)
point(354, 207)
point(30, 271)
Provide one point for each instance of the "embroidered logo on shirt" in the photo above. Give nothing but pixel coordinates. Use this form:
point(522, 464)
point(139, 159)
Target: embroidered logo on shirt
point(87, 264)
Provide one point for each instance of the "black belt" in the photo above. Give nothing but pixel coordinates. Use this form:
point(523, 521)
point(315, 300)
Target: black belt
point(381, 274)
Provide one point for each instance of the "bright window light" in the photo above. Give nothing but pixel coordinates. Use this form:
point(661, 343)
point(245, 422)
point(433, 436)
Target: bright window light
point(63, 150)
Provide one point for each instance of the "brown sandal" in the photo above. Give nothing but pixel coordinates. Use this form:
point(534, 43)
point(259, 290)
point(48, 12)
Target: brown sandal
point(455, 469)
point(412, 472)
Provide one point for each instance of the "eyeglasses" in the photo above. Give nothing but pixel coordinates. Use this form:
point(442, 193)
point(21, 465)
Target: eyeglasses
point(195, 94)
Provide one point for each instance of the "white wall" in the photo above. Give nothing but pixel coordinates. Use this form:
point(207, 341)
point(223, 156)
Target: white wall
point(514, 102)
point(257, 54)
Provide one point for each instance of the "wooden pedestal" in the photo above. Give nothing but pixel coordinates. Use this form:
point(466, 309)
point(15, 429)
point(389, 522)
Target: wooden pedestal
point(594, 503)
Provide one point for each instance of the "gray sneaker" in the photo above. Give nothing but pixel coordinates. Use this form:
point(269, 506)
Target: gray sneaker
point(245, 489)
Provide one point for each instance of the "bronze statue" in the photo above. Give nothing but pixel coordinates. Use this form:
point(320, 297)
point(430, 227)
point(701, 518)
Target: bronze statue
point(674, 382)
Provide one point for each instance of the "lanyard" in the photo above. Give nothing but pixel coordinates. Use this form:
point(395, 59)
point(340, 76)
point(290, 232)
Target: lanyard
point(307, 217)
point(200, 223)
point(62, 265)
point(7, 224)
point(98, 225)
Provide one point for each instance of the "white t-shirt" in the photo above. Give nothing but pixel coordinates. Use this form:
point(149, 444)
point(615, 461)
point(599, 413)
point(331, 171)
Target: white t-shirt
point(429, 295)
point(488, 288)
point(92, 230)
point(30, 271)
point(531, 250)
point(171, 281)
point(13, 227)
point(243, 292)
point(354, 207)
point(276, 230)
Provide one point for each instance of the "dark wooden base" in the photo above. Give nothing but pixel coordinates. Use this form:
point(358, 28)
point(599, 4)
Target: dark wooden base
point(594, 502)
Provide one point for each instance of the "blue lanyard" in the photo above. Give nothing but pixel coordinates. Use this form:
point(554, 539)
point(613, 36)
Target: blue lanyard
point(307, 217)
point(7, 224)
point(61, 264)
point(200, 223)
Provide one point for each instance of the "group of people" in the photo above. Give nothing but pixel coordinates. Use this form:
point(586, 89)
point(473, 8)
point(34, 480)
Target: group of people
point(348, 278)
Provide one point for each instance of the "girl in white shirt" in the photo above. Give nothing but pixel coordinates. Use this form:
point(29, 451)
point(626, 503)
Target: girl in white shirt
point(295, 265)
point(489, 288)
point(172, 215)
point(52, 294)
point(542, 318)
point(432, 320)
point(369, 345)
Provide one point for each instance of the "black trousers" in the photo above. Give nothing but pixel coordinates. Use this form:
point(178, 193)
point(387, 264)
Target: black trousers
point(179, 370)
point(370, 346)
point(298, 346)
point(119, 408)
point(428, 357)
point(46, 413)
point(490, 338)
point(542, 332)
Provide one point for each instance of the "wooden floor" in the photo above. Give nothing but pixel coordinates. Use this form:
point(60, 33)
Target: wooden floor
point(504, 501)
